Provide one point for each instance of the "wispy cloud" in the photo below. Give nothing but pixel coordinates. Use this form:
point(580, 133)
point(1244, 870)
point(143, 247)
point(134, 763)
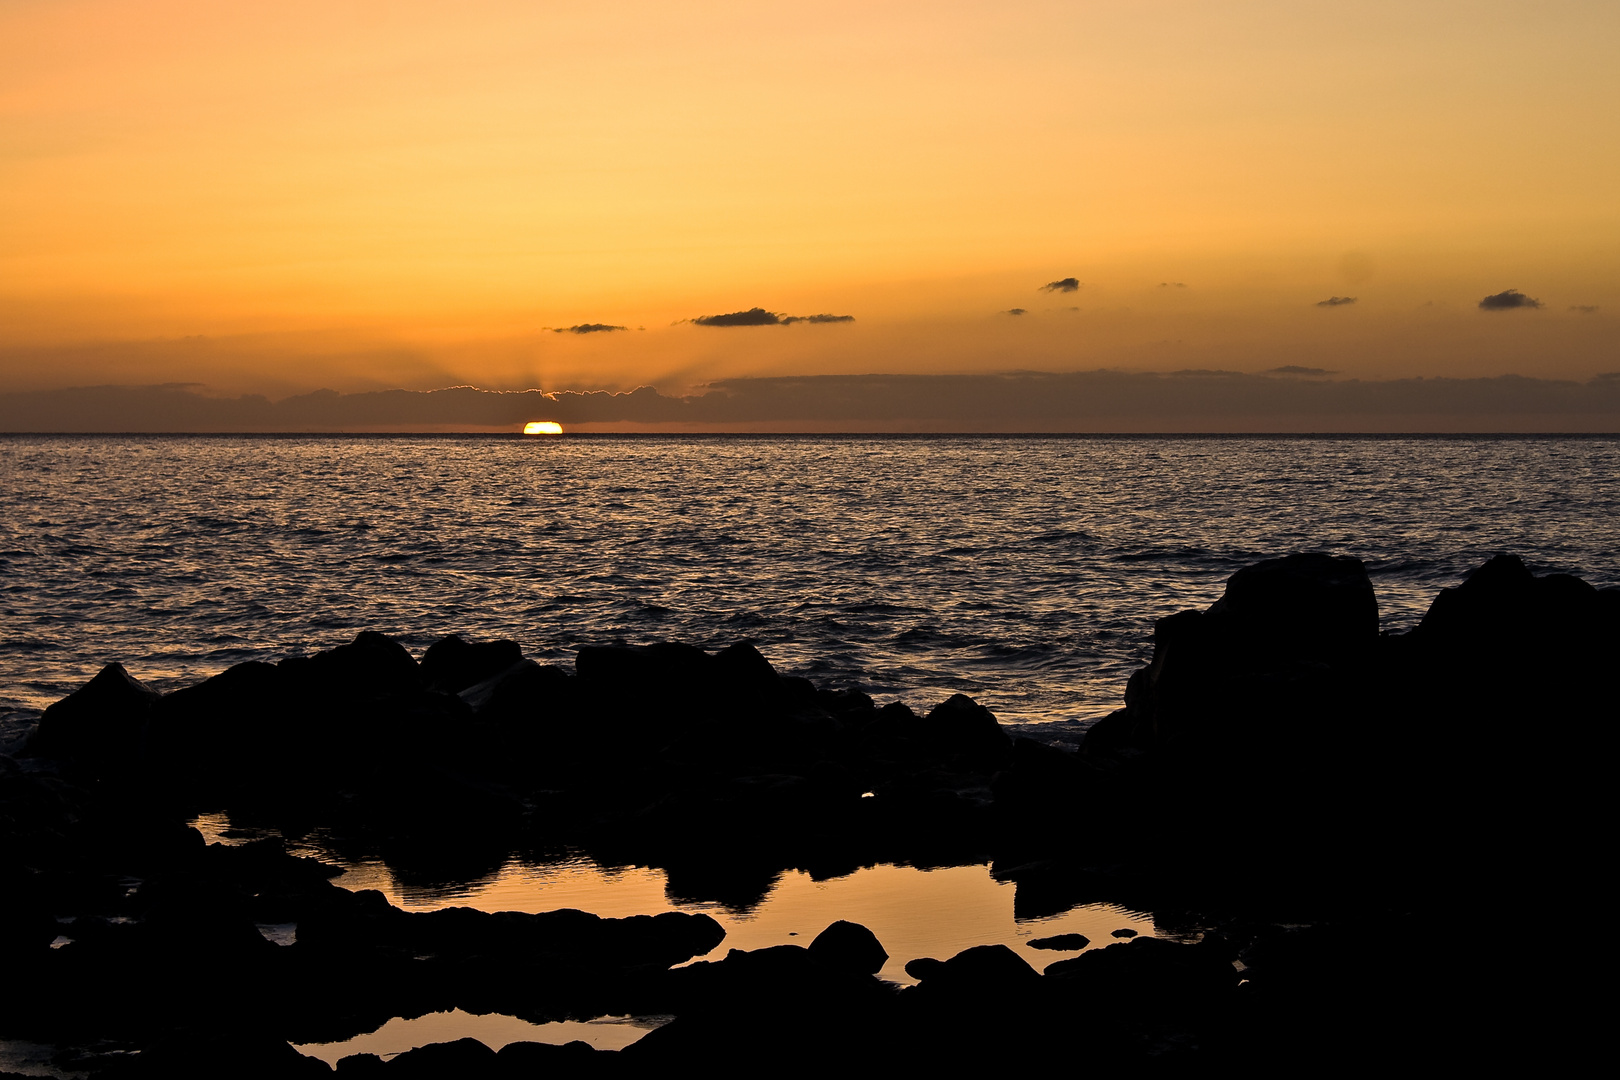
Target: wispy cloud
point(758, 316)
point(587, 328)
point(1172, 284)
point(1067, 284)
point(1507, 300)
point(1584, 309)
point(752, 317)
point(1336, 301)
point(1016, 311)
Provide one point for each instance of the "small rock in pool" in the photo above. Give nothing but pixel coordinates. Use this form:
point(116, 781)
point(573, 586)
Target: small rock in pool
point(1062, 942)
point(1125, 932)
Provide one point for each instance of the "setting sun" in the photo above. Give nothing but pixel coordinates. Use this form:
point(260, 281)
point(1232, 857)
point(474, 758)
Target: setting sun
point(542, 427)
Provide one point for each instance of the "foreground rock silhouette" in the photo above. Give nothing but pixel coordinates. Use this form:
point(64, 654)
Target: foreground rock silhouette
point(1287, 786)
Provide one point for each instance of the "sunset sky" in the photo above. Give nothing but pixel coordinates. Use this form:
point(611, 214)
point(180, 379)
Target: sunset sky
point(274, 199)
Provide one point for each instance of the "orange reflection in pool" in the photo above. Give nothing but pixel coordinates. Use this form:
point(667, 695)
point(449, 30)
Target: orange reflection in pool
point(913, 912)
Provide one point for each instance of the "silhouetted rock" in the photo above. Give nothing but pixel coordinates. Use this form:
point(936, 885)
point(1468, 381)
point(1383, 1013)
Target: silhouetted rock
point(252, 1055)
point(1061, 942)
point(968, 728)
point(452, 664)
point(1312, 606)
point(532, 1059)
point(104, 720)
point(1128, 975)
point(372, 665)
point(361, 1067)
point(1505, 643)
point(1287, 637)
point(849, 947)
point(435, 1061)
point(982, 969)
point(233, 733)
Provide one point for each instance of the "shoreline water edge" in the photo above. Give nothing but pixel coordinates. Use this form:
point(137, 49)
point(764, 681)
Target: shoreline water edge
point(1288, 789)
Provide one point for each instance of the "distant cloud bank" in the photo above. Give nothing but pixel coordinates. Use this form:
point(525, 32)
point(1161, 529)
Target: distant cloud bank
point(1067, 284)
point(587, 328)
point(1507, 300)
point(1336, 301)
point(758, 316)
point(1291, 398)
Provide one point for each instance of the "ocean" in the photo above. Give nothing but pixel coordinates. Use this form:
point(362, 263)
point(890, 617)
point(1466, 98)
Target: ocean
point(1025, 571)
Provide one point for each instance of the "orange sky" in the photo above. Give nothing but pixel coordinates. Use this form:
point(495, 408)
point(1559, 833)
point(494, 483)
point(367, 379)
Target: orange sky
point(276, 198)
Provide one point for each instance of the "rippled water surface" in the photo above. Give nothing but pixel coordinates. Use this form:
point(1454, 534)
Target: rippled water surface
point(1024, 571)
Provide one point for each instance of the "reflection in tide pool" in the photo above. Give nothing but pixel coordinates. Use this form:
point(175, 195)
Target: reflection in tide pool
point(493, 1030)
point(913, 912)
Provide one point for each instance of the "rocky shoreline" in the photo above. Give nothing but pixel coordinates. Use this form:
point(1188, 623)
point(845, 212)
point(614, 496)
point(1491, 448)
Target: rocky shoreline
point(1294, 789)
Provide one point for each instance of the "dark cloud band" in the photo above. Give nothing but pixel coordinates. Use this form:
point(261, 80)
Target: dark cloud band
point(1192, 400)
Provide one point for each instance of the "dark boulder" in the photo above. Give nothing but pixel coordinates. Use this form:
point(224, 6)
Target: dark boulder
point(1287, 638)
point(529, 1059)
point(229, 731)
point(103, 722)
point(250, 1055)
point(849, 946)
point(452, 663)
point(969, 729)
point(372, 665)
point(534, 708)
point(1061, 942)
point(983, 969)
point(1144, 969)
point(661, 670)
point(435, 1061)
point(1506, 641)
point(1310, 605)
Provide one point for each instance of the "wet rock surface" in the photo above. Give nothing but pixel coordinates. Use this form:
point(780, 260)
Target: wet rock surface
point(1288, 788)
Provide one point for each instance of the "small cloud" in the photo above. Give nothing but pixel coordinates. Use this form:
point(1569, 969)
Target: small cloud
point(752, 317)
point(1295, 369)
point(1508, 300)
point(760, 317)
point(587, 328)
point(1172, 284)
point(1336, 301)
point(1584, 309)
point(1067, 284)
point(1015, 311)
